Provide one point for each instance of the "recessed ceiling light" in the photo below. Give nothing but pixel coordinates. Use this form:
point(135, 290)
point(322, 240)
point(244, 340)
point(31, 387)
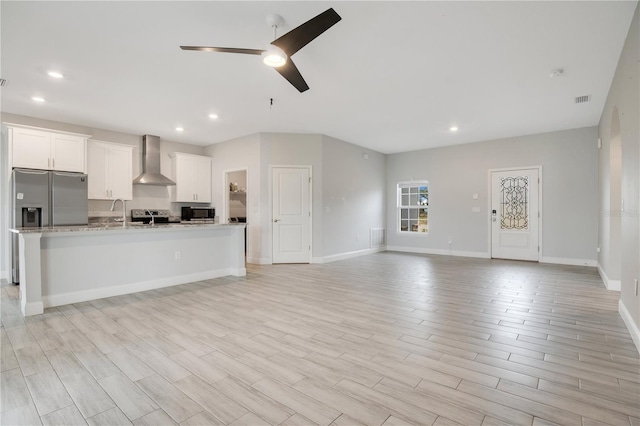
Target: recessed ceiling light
point(37, 99)
point(55, 74)
point(453, 128)
point(179, 129)
point(213, 116)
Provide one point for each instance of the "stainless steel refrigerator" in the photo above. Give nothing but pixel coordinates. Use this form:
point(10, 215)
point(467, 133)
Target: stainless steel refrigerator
point(46, 198)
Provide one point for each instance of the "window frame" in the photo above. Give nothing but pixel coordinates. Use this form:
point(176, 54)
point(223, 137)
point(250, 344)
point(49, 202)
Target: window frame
point(418, 184)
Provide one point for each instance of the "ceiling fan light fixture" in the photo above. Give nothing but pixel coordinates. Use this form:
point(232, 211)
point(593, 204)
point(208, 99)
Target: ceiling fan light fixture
point(274, 57)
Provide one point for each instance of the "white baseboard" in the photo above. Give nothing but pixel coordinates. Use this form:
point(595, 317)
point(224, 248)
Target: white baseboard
point(119, 290)
point(615, 285)
point(240, 272)
point(32, 308)
point(443, 252)
point(569, 261)
point(348, 255)
point(631, 325)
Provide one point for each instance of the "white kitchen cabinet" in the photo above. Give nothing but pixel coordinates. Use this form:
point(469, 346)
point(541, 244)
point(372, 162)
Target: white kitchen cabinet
point(192, 174)
point(110, 170)
point(44, 149)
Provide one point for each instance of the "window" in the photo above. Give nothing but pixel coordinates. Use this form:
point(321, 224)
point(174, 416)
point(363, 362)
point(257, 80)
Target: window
point(413, 206)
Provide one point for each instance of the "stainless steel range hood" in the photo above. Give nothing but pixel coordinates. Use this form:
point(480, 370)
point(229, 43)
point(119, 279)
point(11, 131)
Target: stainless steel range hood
point(151, 163)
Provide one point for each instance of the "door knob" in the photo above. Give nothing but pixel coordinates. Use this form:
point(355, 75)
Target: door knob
point(276, 220)
point(493, 215)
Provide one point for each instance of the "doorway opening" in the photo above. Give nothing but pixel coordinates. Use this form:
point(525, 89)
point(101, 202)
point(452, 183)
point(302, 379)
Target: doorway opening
point(236, 191)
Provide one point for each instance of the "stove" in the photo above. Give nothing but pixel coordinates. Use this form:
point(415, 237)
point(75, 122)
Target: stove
point(144, 215)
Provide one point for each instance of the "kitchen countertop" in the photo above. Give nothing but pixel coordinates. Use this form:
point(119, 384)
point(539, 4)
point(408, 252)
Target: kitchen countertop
point(129, 226)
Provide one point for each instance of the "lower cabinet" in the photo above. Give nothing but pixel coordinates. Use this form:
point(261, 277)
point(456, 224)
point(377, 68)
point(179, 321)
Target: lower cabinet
point(110, 170)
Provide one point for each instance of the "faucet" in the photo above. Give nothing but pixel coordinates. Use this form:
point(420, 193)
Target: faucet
point(124, 210)
point(151, 214)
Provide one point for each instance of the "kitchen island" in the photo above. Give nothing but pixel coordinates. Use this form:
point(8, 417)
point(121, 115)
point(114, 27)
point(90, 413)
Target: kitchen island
point(70, 264)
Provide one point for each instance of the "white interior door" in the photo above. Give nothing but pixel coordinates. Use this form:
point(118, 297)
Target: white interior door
point(291, 215)
point(515, 214)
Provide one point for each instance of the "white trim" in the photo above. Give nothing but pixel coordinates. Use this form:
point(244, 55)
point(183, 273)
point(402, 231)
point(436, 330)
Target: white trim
point(568, 261)
point(399, 206)
point(32, 308)
point(347, 255)
point(100, 293)
point(615, 285)
point(302, 166)
point(540, 218)
point(63, 132)
point(444, 252)
point(4, 275)
point(631, 325)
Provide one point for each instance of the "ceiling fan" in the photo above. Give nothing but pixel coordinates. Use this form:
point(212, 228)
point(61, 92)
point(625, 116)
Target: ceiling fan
point(279, 56)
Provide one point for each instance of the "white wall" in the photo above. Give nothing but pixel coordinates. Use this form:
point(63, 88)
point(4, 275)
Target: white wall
point(569, 193)
point(624, 97)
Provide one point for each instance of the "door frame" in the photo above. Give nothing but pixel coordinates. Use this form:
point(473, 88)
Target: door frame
point(270, 215)
point(490, 203)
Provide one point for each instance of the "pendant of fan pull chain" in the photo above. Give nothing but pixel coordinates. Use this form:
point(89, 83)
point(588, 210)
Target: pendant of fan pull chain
point(278, 54)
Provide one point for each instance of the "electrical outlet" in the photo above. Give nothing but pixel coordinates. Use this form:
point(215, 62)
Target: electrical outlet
point(177, 255)
point(450, 239)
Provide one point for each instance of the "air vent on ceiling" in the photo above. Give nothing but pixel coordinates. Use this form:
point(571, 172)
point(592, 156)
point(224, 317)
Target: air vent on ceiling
point(3, 82)
point(582, 99)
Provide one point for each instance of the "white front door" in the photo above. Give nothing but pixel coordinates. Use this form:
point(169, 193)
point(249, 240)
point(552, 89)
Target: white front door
point(515, 214)
point(291, 215)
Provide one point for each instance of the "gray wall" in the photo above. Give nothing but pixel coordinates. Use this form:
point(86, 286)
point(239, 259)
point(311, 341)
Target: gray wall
point(569, 163)
point(347, 190)
point(353, 196)
point(623, 98)
point(237, 154)
point(293, 149)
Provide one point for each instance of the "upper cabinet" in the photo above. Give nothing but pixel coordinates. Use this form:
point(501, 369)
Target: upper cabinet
point(110, 170)
point(35, 148)
point(192, 174)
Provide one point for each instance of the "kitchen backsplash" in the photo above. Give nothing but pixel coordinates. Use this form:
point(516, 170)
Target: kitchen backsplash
point(149, 197)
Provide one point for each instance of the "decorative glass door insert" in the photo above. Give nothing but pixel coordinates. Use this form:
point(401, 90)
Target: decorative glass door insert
point(514, 203)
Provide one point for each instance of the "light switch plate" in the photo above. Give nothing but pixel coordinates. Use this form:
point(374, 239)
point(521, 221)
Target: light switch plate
point(475, 196)
point(475, 210)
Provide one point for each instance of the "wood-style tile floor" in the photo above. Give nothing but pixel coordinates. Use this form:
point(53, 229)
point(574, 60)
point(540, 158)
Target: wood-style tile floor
point(386, 339)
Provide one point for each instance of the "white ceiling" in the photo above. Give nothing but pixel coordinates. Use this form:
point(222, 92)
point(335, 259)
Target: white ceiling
point(391, 76)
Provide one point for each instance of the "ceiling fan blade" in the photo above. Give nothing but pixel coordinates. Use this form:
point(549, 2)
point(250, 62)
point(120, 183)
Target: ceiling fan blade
point(302, 35)
point(290, 72)
point(224, 49)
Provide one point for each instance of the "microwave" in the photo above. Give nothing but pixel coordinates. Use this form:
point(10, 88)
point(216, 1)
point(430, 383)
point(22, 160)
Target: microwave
point(198, 213)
